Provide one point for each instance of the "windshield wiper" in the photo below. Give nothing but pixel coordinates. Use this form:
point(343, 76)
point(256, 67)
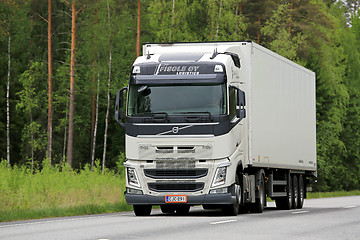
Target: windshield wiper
point(205, 112)
point(154, 118)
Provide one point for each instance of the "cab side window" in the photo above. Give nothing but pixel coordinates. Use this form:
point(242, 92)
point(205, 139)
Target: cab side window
point(232, 103)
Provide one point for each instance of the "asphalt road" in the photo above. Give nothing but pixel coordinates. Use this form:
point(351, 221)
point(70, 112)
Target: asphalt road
point(328, 218)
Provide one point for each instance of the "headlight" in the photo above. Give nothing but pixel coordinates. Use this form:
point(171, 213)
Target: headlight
point(132, 177)
point(220, 177)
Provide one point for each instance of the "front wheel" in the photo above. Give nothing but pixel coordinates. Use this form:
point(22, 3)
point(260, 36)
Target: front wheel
point(167, 209)
point(142, 210)
point(182, 210)
point(233, 209)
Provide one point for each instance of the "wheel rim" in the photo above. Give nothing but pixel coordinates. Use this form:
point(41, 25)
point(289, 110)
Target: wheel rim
point(238, 193)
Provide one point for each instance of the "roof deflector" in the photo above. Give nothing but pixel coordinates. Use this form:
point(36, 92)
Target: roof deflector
point(179, 57)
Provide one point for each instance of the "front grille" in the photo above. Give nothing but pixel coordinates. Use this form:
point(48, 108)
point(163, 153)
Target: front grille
point(178, 187)
point(176, 173)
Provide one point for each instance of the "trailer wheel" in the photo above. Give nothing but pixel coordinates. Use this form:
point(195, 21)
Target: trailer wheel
point(260, 203)
point(233, 209)
point(167, 209)
point(142, 210)
point(295, 199)
point(285, 203)
point(301, 194)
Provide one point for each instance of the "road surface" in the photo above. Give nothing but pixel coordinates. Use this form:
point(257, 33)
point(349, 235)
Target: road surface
point(327, 218)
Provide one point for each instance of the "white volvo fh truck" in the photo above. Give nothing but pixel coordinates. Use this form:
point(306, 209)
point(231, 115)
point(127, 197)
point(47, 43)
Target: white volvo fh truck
point(218, 124)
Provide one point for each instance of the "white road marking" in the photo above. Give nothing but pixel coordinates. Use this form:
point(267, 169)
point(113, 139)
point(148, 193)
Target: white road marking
point(299, 212)
point(225, 221)
point(350, 207)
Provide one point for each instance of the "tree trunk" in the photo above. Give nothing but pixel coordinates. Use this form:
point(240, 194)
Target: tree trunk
point(240, 12)
point(107, 115)
point(172, 21)
point(259, 21)
point(65, 132)
point(290, 15)
point(32, 139)
point(96, 123)
point(8, 103)
point(50, 98)
point(72, 84)
point(94, 100)
point(218, 24)
point(108, 94)
point(212, 20)
point(93, 104)
point(138, 29)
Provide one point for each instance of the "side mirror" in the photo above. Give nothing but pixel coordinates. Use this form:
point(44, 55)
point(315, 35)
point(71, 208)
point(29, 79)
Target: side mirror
point(119, 103)
point(241, 111)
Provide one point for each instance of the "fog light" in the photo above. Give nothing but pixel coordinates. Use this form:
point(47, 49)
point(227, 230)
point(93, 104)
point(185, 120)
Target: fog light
point(219, 190)
point(134, 191)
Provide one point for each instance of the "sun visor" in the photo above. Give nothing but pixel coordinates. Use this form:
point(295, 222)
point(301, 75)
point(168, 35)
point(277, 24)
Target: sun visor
point(178, 79)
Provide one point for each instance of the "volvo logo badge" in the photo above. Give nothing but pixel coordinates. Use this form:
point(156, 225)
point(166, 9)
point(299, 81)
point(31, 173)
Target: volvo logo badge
point(175, 130)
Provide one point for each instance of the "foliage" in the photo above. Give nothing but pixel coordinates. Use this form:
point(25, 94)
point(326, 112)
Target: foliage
point(281, 37)
point(320, 35)
point(57, 189)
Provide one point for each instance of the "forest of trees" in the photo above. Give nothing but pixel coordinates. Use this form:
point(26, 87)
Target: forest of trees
point(62, 62)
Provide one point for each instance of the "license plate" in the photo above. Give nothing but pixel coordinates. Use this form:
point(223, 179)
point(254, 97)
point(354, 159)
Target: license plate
point(175, 198)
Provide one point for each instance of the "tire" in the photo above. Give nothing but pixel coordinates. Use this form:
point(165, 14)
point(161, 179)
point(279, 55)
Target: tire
point(233, 209)
point(285, 203)
point(260, 203)
point(301, 194)
point(169, 209)
point(182, 210)
point(295, 198)
point(210, 206)
point(142, 210)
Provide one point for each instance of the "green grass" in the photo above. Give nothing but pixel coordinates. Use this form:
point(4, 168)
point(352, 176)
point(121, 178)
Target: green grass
point(58, 191)
point(332, 194)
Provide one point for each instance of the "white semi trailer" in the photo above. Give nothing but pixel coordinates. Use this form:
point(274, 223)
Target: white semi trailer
point(218, 124)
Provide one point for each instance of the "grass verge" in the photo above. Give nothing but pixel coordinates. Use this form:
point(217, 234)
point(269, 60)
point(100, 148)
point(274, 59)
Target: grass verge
point(25, 214)
point(311, 195)
point(57, 191)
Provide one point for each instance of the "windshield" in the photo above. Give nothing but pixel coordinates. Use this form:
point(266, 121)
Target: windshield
point(179, 99)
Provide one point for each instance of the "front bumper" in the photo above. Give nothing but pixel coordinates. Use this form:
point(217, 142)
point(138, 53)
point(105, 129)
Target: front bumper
point(226, 198)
